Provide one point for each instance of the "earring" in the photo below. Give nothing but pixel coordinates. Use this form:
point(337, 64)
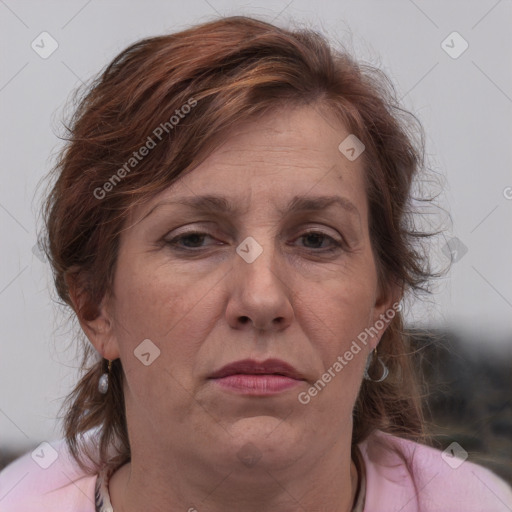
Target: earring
point(103, 382)
point(385, 370)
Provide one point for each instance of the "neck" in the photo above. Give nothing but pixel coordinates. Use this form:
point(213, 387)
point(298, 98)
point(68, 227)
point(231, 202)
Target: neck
point(329, 483)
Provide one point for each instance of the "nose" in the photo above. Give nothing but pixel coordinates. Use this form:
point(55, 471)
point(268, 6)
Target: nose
point(259, 296)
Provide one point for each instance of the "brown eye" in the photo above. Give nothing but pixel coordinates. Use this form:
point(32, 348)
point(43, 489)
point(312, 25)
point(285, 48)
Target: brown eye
point(319, 240)
point(192, 240)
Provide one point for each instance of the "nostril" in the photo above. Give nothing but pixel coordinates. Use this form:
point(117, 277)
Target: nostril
point(244, 319)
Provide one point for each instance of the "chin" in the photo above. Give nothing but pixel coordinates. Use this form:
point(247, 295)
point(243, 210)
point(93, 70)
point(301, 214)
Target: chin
point(266, 442)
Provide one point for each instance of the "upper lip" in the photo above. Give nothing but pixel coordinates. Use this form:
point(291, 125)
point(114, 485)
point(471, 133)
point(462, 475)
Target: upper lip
point(252, 367)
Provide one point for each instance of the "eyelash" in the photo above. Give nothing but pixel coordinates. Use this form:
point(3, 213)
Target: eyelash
point(336, 245)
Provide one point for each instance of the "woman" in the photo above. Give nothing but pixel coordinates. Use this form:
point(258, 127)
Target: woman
point(229, 224)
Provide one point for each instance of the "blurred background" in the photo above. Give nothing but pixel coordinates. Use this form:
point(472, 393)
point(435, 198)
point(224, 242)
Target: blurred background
point(450, 62)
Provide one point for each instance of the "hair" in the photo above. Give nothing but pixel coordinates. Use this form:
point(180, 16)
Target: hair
point(184, 92)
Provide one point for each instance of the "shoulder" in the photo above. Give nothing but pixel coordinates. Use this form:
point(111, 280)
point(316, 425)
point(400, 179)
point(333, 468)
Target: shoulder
point(408, 476)
point(46, 479)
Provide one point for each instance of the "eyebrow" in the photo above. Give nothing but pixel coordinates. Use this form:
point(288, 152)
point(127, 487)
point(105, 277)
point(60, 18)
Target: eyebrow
point(222, 205)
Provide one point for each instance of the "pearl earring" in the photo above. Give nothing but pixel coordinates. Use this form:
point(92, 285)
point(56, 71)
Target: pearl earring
point(103, 382)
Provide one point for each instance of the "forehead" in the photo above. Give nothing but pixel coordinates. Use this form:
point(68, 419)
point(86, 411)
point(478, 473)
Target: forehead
point(270, 161)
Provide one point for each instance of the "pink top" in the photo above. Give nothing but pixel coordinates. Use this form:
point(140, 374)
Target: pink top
point(401, 476)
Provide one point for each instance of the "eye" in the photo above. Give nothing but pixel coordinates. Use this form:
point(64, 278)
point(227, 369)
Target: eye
point(315, 240)
point(189, 241)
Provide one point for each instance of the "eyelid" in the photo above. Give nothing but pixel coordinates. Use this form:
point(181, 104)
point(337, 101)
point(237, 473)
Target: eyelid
point(186, 233)
point(174, 242)
point(304, 230)
point(314, 227)
point(335, 244)
point(193, 229)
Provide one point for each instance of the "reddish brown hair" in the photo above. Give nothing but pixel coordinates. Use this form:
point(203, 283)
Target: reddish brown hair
point(231, 70)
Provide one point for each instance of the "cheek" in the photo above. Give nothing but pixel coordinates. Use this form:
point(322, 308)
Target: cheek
point(175, 311)
point(334, 313)
point(175, 314)
point(146, 294)
point(337, 310)
point(335, 321)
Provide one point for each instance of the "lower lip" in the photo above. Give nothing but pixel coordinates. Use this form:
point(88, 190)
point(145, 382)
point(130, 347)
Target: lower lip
point(257, 384)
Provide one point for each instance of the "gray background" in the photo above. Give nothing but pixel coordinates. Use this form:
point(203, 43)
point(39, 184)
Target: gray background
point(464, 104)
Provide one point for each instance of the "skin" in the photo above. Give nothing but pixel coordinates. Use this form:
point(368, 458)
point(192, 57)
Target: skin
point(209, 307)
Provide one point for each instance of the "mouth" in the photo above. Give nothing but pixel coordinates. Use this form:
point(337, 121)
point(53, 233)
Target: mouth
point(255, 378)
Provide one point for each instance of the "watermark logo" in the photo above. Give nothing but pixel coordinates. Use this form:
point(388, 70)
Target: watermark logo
point(249, 455)
point(454, 455)
point(38, 252)
point(147, 352)
point(44, 455)
point(249, 249)
point(44, 45)
point(454, 45)
point(351, 147)
point(454, 249)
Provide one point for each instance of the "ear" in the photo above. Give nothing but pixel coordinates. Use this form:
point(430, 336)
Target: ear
point(387, 303)
point(96, 321)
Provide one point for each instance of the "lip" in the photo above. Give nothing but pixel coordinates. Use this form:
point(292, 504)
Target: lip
point(251, 377)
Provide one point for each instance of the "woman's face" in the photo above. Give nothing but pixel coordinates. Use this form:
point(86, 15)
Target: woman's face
point(287, 274)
